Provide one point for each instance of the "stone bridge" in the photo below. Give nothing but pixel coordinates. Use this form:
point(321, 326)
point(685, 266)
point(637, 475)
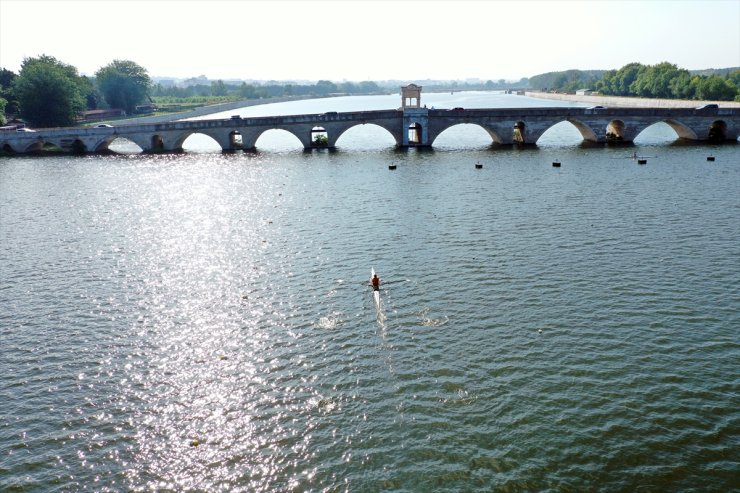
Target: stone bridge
point(410, 127)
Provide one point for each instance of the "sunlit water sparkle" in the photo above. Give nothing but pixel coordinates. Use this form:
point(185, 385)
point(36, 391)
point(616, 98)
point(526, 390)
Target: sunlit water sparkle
point(203, 321)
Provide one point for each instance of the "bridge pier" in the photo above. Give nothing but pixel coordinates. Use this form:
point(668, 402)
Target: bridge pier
point(415, 128)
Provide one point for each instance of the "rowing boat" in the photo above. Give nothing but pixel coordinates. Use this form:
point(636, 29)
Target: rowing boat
point(376, 294)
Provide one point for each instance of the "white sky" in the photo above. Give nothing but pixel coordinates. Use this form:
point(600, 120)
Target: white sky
point(370, 40)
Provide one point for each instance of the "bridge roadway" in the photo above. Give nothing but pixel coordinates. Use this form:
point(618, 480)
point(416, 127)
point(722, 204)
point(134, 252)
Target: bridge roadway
point(409, 128)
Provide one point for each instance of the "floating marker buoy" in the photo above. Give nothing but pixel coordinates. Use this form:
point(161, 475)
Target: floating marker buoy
point(642, 161)
point(194, 443)
point(556, 164)
point(710, 158)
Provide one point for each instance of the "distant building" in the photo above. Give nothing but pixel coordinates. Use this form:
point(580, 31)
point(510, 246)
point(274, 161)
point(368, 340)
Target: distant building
point(585, 92)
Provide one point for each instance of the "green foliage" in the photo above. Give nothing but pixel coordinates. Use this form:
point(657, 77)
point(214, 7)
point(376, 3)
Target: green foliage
point(218, 88)
point(716, 88)
point(124, 84)
point(666, 80)
point(618, 82)
point(655, 80)
point(49, 92)
point(93, 98)
point(566, 81)
point(3, 103)
point(321, 140)
point(7, 94)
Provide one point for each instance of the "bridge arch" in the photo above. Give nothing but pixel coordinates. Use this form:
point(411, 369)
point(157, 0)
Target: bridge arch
point(120, 145)
point(351, 129)
point(493, 131)
point(221, 138)
point(470, 129)
point(276, 135)
point(683, 131)
point(587, 131)
point(568, 130)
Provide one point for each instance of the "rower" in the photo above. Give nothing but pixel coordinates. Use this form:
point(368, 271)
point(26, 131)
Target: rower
point(375, 282)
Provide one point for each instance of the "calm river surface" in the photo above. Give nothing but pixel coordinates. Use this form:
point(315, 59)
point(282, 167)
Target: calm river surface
point(202, 321)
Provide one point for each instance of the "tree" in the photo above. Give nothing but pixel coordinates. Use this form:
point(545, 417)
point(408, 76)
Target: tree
point(6, 92)
point(655, 81)
point(218, 88)
point(124, 84)
point(716, 88)
point(93, 98)
point(49, 92)
point(681, 86)
point(619, 82)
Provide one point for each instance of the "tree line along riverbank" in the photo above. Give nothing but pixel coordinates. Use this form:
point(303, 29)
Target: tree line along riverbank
point(629, 102)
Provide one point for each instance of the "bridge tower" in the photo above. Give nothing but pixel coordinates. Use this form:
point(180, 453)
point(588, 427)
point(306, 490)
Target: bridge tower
point(415, 118)
point(410, 96)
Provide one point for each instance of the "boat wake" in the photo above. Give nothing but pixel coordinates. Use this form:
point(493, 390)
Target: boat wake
point(431, 322)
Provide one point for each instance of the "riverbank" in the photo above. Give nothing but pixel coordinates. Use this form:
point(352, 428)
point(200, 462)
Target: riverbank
point(627, 102)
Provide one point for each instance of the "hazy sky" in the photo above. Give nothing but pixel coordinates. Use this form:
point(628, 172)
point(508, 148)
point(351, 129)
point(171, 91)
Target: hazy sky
point(370, 40)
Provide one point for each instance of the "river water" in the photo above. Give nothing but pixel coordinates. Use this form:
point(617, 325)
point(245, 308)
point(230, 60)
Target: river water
point(202, 321)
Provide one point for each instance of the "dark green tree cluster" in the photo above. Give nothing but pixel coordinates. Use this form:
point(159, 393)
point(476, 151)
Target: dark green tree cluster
point(666, 80)
point(49, 93)
point(124, 84)
point(566, 81)
point(8, 102)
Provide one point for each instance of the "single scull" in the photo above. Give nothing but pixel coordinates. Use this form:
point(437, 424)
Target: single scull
point(376, 294)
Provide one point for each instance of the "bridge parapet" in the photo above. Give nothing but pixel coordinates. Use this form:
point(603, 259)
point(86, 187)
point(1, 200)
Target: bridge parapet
point(504, 125)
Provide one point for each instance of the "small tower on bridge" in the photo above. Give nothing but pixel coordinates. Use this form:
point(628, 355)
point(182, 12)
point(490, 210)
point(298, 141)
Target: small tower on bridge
point(410, 96)
point(415, 118)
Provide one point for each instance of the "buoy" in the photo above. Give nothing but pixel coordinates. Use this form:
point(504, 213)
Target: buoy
point(710, 158)
point(642, 161)
point(392, 166)
point(556, 164)
point(194, 443)
point(478, 166)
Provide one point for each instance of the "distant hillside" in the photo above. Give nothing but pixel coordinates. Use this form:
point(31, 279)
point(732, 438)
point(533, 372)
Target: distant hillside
point(566, 81)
